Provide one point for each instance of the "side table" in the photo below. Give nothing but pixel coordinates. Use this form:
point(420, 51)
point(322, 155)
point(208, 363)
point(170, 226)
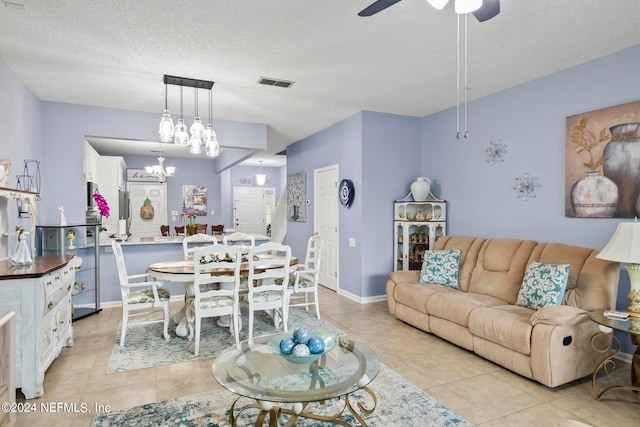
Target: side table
point(607, 325)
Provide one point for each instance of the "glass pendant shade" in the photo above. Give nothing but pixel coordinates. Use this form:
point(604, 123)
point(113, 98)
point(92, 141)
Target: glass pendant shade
point(181, 137)
point(195, 145)
point(467, 6)
point(197, 129)
point(438, 4)
point(171, 170)
point(211, 145)
point(166, 128)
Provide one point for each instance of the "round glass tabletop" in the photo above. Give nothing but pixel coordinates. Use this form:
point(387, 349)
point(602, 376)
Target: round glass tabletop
point(255, 369)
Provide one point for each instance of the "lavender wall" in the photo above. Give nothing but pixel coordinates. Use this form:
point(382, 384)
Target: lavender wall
point(340, 145)
point(64, 127)
point(377, 152)
point(20, 122)
point(530, 120)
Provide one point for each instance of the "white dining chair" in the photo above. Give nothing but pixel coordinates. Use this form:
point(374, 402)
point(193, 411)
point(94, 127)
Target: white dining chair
point(239, 238)
point(304, 280)
point(216, 295)
point(269, 271)
point(141, 297)
point(196, 241)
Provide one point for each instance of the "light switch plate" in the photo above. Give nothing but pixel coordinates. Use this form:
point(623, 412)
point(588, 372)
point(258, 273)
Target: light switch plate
point(352, 242)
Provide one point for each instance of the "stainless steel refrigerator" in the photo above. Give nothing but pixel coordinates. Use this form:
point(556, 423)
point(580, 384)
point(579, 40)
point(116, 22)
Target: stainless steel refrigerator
point(125, 209)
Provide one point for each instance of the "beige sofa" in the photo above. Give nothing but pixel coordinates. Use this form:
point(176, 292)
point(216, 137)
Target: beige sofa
point(550, 345)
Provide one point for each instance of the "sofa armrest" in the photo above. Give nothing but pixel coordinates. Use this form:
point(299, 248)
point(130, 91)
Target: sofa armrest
point(558, 315)
point(405, 276)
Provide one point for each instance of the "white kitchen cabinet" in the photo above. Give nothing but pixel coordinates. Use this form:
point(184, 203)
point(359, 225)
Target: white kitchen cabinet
point(40, 297)
point(91, 157)
point(417, 226)
point(111, 179)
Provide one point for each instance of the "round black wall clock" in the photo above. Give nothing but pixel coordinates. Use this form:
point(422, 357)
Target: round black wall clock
point(346, 192)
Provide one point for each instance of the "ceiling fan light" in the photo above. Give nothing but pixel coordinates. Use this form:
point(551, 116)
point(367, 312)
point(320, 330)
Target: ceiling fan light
point(166, 128)
point(467, 6)
point(181, 137)
point(438, 4)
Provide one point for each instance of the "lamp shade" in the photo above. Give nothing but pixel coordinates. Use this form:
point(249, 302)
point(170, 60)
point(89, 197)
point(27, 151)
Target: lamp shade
point(624, 246)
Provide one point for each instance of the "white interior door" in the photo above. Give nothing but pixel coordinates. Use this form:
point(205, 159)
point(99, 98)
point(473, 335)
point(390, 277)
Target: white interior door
point(325, 190)
point(157, 193)
point(249, 210)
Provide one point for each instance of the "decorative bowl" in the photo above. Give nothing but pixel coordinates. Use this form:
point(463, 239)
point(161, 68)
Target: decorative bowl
point(329, 344)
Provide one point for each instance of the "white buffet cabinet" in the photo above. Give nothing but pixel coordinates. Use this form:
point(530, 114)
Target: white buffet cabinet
point(40, 296)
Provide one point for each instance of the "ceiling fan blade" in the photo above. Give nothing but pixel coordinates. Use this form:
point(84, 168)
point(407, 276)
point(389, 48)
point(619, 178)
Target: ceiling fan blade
point(488, 10)
point(377, 6)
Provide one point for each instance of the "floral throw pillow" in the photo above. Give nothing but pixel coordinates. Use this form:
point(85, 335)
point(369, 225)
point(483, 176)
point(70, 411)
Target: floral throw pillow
point(441, 267)
point(543, 284)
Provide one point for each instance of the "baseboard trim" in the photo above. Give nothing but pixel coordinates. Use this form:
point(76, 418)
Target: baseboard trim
point(361, 300)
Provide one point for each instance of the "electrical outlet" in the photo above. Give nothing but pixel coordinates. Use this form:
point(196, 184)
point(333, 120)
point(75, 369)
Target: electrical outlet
point(352, 242)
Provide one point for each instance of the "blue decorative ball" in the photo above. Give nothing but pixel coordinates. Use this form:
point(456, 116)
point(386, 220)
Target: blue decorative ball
point(301, 335)
point(316, 345)
point(286, 345)
point(301, 350)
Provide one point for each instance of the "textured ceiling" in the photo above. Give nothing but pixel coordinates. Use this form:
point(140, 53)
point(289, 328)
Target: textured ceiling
point(402, 60)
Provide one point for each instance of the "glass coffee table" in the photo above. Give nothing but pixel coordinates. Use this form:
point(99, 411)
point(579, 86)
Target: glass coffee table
point(275, 384)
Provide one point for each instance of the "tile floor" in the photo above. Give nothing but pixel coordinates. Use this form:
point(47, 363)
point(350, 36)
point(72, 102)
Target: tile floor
point(485, 394)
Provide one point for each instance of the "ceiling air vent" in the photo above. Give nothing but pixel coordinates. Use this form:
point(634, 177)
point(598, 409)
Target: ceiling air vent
point(274, 82)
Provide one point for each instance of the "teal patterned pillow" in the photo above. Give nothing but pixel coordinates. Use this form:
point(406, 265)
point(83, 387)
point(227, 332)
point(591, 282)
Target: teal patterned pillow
point(441, 267)
point(543, 284)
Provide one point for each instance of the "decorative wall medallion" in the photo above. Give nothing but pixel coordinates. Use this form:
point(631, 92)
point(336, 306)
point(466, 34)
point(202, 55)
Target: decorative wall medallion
point(346, 192)
point(496, 152)
point(526, 187)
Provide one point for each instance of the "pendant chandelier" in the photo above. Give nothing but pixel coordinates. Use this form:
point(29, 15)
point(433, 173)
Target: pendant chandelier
point(179, 134)
point(159, 171)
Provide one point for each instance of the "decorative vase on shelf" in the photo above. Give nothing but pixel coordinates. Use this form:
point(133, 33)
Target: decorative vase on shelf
point(594, 196)
point(420, 189)
point(622, 166)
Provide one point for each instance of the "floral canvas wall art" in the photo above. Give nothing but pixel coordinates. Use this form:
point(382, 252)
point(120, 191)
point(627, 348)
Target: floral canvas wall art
point(194, 200)
point(296, 197)
point(603, 163)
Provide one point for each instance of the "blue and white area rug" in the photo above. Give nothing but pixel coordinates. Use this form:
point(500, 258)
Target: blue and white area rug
point(144, 346)
point(400, 403)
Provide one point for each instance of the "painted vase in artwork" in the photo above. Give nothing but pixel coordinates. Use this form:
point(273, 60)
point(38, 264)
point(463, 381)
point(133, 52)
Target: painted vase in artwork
point(420, 189)
point(622, 166)
point(594, 196)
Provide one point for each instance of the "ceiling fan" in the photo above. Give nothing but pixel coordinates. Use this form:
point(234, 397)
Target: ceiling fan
point(483, 10)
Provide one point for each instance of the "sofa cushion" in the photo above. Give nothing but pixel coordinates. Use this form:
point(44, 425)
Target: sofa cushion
point(543, 284)
point(415, 295)
point(441, 267)
point(507, 325)
point(456, 306)
point(470, 248)
point(500, 268)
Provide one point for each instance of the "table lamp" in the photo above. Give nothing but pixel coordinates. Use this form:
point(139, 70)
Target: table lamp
point(624, 246)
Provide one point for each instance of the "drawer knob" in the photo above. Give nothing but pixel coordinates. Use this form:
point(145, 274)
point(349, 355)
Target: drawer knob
point(50, 305)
